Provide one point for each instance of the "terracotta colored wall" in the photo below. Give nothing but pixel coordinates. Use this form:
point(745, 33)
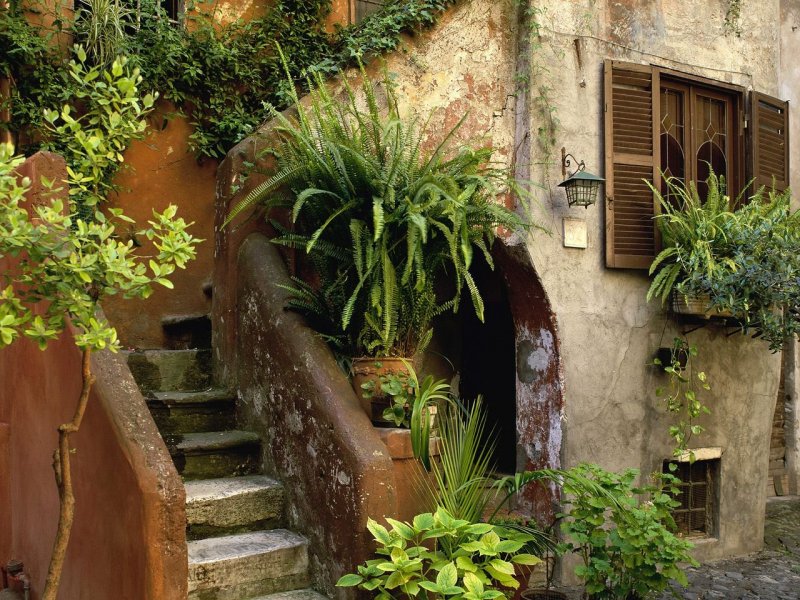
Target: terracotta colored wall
point(161, 171)
point(129, 498)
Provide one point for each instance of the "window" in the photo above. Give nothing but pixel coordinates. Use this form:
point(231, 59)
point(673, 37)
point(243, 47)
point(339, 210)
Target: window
point(697, 513)
point(657, 120)
point(366, 7)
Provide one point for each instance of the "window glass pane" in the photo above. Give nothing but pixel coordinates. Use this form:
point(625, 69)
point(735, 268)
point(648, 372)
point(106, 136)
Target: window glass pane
point(673, 122)
point(711, 139)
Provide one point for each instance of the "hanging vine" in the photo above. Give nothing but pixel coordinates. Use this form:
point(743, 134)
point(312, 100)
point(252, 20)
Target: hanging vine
point(733, 18)
point(222, 77)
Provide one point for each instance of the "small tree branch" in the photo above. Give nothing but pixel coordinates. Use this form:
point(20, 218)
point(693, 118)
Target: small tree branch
point(63, 474)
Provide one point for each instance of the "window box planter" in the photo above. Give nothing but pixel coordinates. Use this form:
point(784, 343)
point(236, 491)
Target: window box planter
point(696, 305)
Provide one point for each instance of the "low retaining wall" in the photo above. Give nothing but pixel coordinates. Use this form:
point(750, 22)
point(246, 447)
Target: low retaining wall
point(128, 540)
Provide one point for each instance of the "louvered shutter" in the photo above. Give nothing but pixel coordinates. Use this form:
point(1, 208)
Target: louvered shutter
point(632, 104)
point(769, 139)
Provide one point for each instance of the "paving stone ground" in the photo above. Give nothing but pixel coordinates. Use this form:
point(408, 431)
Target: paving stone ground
point(772, 574)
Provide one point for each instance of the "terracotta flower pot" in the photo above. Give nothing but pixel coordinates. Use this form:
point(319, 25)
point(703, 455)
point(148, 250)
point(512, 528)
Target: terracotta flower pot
point(367, 369)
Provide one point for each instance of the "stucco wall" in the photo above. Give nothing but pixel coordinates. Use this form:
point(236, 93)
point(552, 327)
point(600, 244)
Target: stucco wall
point(608, 330)
point(789, 74)
point(480, 62)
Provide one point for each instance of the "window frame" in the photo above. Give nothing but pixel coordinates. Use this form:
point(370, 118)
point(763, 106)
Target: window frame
point(734, 98)
point(759, 150)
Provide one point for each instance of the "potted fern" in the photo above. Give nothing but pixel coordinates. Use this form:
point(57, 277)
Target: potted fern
point(386, 226)
point(741, 262)
point(698, 249)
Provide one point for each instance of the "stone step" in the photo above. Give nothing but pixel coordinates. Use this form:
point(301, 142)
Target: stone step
point(188, 412)
point(247, 565)
point(213, 454)
point(171, 370)
point(186, 331)
point(216, 507)
point(306, 594)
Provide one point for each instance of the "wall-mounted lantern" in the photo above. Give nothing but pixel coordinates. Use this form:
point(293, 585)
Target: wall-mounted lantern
point(581, 186)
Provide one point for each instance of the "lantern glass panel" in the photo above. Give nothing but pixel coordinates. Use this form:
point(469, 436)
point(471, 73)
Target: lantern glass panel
point(582, 193)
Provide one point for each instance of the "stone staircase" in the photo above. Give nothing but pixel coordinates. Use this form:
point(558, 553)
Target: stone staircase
point(237, 549)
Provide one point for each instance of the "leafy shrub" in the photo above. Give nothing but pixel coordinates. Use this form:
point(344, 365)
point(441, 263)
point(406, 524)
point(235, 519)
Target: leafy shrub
point(467, 560)
point(625, 545)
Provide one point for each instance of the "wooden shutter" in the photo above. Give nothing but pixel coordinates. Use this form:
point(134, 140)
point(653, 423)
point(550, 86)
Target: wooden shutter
point(632, 106)
point(769, 139)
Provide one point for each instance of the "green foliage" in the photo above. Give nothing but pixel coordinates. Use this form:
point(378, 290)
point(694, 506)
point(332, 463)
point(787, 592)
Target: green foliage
point(223, 76)
point(105, 114)
point(696, 236)
point(625, 545)
point(410, 404)
point(67, 261)
point(70, 265)
point(746, 260)
point(461, 481)
point(681, 396)
point(439, 556)
point(383, 222)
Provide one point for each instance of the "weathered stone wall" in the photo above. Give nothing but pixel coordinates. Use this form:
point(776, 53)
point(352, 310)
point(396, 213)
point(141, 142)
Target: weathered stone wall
point(480, 62)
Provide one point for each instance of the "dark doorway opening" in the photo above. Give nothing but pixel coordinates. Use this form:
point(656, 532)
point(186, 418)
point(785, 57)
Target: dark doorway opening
point(488, 361)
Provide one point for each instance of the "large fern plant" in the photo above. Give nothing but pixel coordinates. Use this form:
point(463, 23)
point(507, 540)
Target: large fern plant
point(697, 238)
point(382, 221)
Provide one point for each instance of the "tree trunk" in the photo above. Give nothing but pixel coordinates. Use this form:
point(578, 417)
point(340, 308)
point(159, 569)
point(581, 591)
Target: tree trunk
point(63, 472)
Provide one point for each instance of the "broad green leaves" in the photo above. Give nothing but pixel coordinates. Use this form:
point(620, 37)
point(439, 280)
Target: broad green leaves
point(92, 140)
point(65, 261)
point(459, 559)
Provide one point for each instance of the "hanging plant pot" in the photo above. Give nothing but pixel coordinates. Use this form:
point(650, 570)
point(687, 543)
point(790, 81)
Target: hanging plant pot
point(699, 306)
point(368, 370)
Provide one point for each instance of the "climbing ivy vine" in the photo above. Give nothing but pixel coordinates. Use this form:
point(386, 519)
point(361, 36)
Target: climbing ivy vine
point(223, 77)
point(733, 16)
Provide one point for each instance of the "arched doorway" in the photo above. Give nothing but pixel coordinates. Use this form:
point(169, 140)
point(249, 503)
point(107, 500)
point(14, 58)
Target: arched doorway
point(513, 360)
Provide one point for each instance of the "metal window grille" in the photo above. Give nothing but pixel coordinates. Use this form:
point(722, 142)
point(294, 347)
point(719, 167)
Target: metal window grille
point(696, 514)
point(367, 7)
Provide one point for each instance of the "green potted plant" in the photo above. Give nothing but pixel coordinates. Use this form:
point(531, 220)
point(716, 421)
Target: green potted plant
point(696, 235)
point(626, 545)
point(439, 556)
point(389, 228)
point(741, 262)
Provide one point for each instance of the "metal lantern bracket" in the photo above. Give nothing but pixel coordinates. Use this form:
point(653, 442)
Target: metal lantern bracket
point(566, 163)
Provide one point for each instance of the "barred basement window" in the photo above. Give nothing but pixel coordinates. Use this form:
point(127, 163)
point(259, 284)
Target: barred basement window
point(367, 7)
point(697, 513)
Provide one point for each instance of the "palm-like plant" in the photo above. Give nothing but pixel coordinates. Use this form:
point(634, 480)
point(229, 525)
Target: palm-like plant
point(380, 220)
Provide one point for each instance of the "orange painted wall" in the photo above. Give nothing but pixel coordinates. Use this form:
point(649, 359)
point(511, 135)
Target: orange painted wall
point(129, 499)
point(161, 171)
